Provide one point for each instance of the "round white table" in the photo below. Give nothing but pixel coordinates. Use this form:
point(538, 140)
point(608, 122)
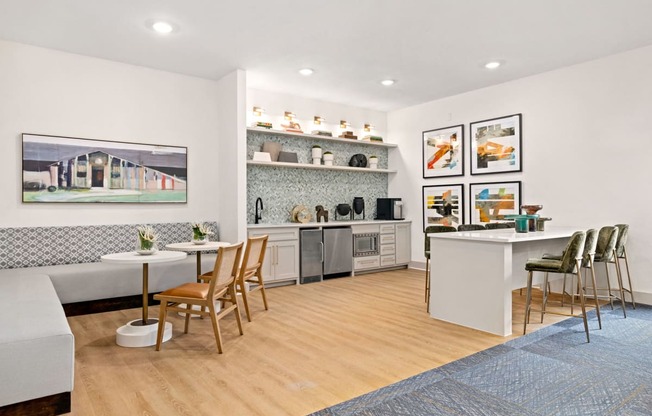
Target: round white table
point(190, 247)
point(142, 332)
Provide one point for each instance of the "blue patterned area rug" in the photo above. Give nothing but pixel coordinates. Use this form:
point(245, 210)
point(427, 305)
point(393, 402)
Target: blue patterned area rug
point(552, 371)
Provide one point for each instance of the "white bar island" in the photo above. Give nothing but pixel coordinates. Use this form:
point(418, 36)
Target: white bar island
point(473, 273)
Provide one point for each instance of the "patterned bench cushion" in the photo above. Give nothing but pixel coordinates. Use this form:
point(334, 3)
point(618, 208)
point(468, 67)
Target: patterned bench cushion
point(47, 246)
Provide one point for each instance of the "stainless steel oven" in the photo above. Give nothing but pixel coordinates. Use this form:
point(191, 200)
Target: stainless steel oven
point(365, 244)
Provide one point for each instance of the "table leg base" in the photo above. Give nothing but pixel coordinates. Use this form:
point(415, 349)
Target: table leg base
point(134, 334)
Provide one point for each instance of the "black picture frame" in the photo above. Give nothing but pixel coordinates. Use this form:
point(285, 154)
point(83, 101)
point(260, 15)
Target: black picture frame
point(496, 145)
point(489, 208)
point(442, 152)
point(436, 211)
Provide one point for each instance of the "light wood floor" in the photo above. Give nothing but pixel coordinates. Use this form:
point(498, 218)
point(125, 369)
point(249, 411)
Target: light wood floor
point(318, 345)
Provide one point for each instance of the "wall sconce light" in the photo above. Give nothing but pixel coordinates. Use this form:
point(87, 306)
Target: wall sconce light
point(319, 120)
point(368, 127)
point(289, 115)
point(344, 124)
point(258, 111)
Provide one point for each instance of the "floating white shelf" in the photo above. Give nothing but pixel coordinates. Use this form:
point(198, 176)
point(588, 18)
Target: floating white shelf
point(309, 166)
point(326, 138)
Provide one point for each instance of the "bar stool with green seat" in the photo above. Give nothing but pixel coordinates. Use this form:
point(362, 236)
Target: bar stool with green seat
point(621, 253)
point(471, 227)
point(588, 255)
point(606, 253)
point(571, 262)
point(430, 230)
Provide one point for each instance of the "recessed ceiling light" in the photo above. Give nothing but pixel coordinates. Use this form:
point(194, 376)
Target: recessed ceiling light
point(387, 82)
point(492, 65)
point(162, 27)
point(306, 72)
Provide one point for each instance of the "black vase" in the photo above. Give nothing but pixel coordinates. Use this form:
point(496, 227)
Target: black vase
point(358, 205)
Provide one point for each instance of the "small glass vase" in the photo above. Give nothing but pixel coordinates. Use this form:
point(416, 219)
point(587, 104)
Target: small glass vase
point(199, 239)
point(146, 247)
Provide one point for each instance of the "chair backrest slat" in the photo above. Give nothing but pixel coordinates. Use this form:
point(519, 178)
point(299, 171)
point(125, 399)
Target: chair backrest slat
point(226, 267)
point(253, 257)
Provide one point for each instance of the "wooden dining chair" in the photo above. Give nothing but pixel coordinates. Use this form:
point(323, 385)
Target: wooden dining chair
point(220, 287)
point(250, 274)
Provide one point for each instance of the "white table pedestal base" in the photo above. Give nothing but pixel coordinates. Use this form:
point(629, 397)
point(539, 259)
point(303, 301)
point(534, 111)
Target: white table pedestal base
point(134, 336)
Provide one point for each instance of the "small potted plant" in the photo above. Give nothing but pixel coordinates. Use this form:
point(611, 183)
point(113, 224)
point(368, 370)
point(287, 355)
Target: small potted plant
point(316, 155)
point(200, 233)
point(373, 162)
point(147, 240)
point(328, 159)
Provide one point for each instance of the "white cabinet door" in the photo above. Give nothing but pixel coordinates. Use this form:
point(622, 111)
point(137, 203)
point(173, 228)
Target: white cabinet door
point(403, 245)
point(287, 260)
point(268, 272)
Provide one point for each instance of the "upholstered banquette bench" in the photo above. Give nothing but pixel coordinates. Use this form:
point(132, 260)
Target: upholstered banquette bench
point(47, 273)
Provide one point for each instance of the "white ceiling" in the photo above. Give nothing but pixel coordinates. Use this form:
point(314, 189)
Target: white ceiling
point(433, 48)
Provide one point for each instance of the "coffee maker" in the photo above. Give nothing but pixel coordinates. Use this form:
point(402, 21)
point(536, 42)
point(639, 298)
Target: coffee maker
point(358, 207)
point(389, 209)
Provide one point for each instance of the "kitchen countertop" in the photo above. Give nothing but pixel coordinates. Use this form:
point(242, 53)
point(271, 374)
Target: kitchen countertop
point(331, 223)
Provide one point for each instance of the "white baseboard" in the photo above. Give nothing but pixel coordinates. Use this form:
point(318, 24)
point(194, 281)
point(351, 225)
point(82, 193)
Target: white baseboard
point(420, 265)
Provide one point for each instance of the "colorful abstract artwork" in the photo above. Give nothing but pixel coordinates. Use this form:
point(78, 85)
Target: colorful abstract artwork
point(496, 145)
point(443, 205)
point(490, 202)
point(67, 169)
point(443, 152)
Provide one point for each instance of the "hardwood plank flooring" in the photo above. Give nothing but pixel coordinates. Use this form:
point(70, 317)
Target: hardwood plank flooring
point(318, 345)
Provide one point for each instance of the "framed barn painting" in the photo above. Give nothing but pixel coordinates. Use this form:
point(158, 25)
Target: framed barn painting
point(66, 169)
point(496, 145)
point(490, 202)
point(443, 205)
point(443, 152)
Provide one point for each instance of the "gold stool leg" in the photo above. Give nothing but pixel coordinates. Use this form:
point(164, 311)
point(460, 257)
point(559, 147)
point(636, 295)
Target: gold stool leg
point(579, 279)
point(595, 293)
point(544, 295)
point(528, 298)
point(629, 278)
point(619, 278)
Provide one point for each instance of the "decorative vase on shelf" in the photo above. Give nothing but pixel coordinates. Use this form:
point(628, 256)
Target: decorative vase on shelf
point(200, 233)
point(316, 155)
point(147, 241)
point(328, 159)
point(373, 162)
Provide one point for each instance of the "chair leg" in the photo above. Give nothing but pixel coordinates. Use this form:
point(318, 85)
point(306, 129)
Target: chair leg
point(611, 296)
point(245, 300)
point(234, 299)
point(216, 326)
point(629, 278)
point(582, 304)
point(427, 281)
point(262, 290)
point(563, 290)
point(187, 323)
point(528, 298)
point(595, 293)
point(619, 278)
point(544, 298)
point(161, 324)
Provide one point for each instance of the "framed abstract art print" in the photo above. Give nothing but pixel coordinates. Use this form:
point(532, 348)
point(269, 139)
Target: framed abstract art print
point(443, 152)
point(496, 145)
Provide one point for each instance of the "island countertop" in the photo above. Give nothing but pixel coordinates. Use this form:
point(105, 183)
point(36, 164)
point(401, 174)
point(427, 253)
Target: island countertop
point(508, 235)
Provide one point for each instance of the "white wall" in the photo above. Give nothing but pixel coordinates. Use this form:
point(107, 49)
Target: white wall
point(306, 109)
point(49, 92)
point(232, 167)
point(586, 145)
